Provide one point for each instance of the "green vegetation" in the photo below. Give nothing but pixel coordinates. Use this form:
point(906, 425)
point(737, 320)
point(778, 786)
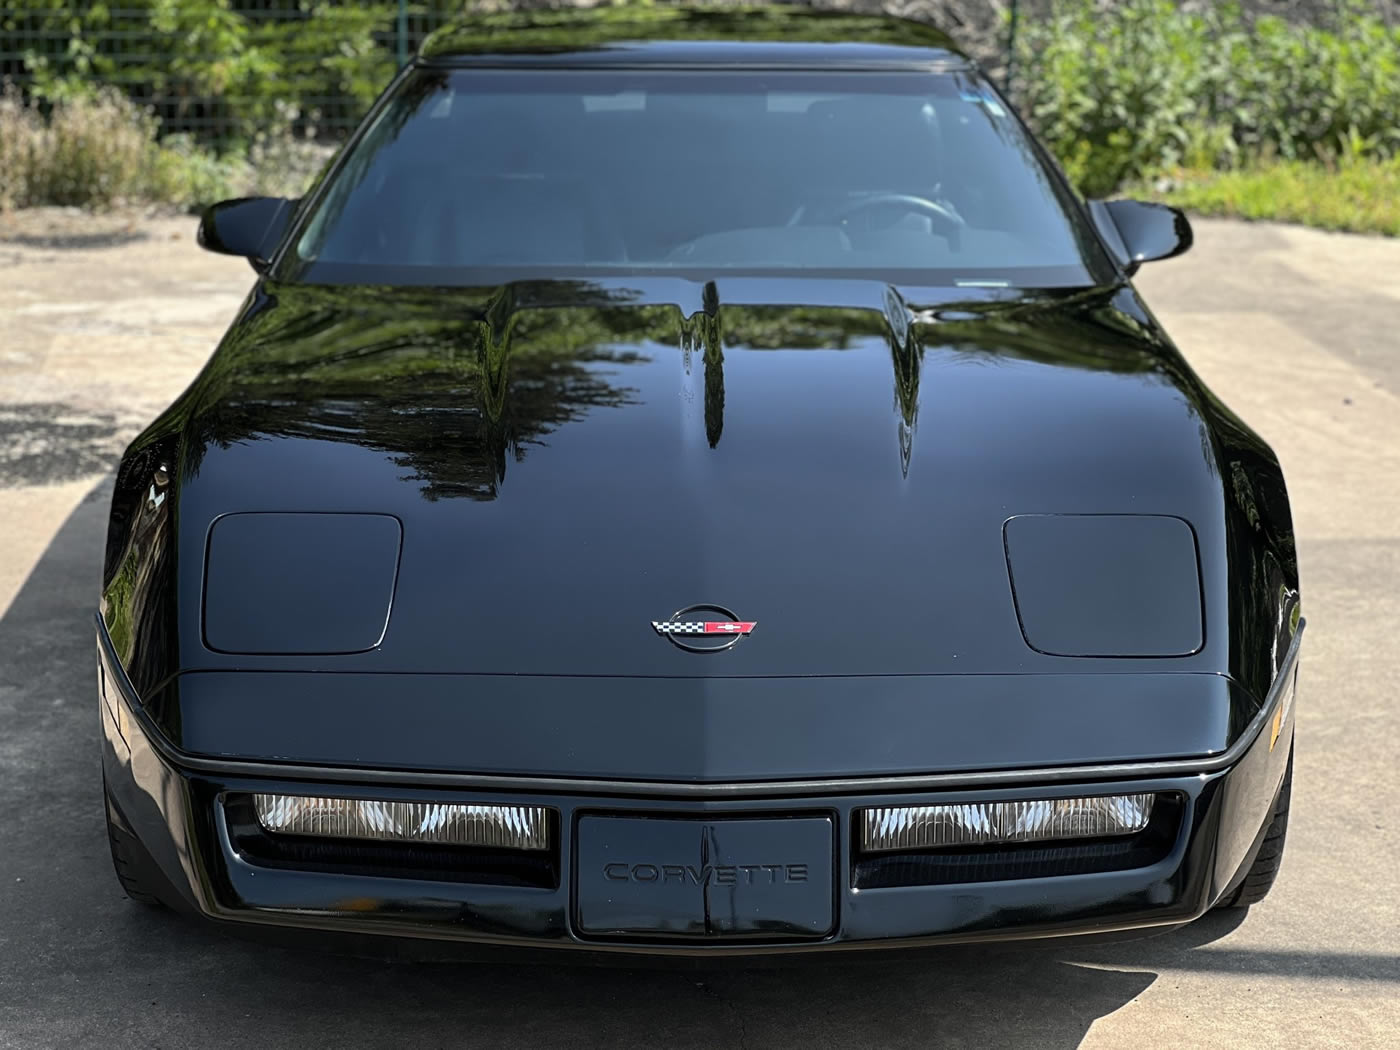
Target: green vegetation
point(1124, 95)
point(97, 149)
point(1240, 115)
point(1360, 196)
point(94, 152)
point(220, 69)
point(566, 27)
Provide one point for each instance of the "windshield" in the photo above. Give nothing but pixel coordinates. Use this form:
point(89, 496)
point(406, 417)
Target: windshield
point(570, 172)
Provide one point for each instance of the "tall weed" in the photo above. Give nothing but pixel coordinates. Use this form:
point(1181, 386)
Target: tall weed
point(21, 131)
point(95, 149)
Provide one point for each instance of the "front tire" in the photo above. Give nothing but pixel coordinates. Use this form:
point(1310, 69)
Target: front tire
point(129, 857)
point(1262, 873)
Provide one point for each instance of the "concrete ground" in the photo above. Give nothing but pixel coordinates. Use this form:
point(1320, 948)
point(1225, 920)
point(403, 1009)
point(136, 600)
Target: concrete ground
point(1297, 330)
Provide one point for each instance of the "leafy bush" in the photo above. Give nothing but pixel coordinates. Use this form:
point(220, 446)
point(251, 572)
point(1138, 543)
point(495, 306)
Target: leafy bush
point(285, 157)
point(96, 150)
point(280, 162)
point(1121, 90)
point(20, 131)
point(1148, 86)
point(99, 149)
point(93, 149)
point(188, 175)
point(214, 68)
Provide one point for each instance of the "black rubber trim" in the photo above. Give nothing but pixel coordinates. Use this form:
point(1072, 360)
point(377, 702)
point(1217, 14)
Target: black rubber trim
point(743, 789)
point(545, 61)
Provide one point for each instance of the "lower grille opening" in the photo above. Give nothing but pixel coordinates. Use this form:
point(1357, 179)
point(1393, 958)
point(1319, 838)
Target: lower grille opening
point(940, 867)
point(472, 864)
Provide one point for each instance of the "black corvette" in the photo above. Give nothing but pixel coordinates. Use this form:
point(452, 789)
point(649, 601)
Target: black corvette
point(694, 485)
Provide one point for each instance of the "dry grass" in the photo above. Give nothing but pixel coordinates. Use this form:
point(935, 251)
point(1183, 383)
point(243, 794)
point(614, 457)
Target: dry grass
point(21, 132)
point(94, 150)
point(100, 150)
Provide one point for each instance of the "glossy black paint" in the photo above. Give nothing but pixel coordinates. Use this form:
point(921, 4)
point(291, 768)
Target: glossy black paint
point(755, 36)
point(326, 580)
point(698, 729)
point(570, 461)
point(1105, 584)
point(567, 460)
point(250, 226)
point(638, 877)
point(1142, 231)
point(181, 818)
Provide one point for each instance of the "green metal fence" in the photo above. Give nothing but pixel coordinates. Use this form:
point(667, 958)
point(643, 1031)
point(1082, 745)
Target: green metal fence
point(219, 69)
point(224, 69)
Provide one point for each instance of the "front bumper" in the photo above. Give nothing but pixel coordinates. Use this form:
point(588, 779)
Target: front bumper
point(186, 818)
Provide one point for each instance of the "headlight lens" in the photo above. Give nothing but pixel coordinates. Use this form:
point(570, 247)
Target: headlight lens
point(505, 827)
point(996, 823)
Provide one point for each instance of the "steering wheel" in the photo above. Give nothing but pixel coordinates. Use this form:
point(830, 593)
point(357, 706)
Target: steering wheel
point(946, 222)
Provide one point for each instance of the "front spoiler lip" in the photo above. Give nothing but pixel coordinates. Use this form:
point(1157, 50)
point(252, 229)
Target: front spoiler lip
point(1186, 766)
point(178, 819)
point(459, 927)
point(215, 884)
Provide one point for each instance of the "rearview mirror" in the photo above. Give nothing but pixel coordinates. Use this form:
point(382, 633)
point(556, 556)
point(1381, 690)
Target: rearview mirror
point(1140, 232)
point(249, 226)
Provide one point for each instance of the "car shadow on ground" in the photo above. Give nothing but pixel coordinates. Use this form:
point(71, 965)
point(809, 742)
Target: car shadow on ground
point(86, 967)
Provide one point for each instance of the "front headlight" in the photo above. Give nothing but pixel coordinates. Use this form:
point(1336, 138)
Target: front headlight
point(999, 823)
point(449, 824)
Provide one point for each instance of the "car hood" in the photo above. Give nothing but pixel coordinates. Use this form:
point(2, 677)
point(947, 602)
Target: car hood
point(570, 462)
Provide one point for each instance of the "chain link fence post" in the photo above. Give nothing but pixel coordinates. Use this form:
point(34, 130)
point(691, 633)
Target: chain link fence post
point(1011, 46)
point(402, 34)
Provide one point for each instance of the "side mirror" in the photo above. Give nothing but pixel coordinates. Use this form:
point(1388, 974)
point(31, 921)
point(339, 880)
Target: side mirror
point(1140, 232)
point(250, 226)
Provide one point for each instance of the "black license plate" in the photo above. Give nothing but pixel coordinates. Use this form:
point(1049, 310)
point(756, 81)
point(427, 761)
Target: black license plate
point(705, 878)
